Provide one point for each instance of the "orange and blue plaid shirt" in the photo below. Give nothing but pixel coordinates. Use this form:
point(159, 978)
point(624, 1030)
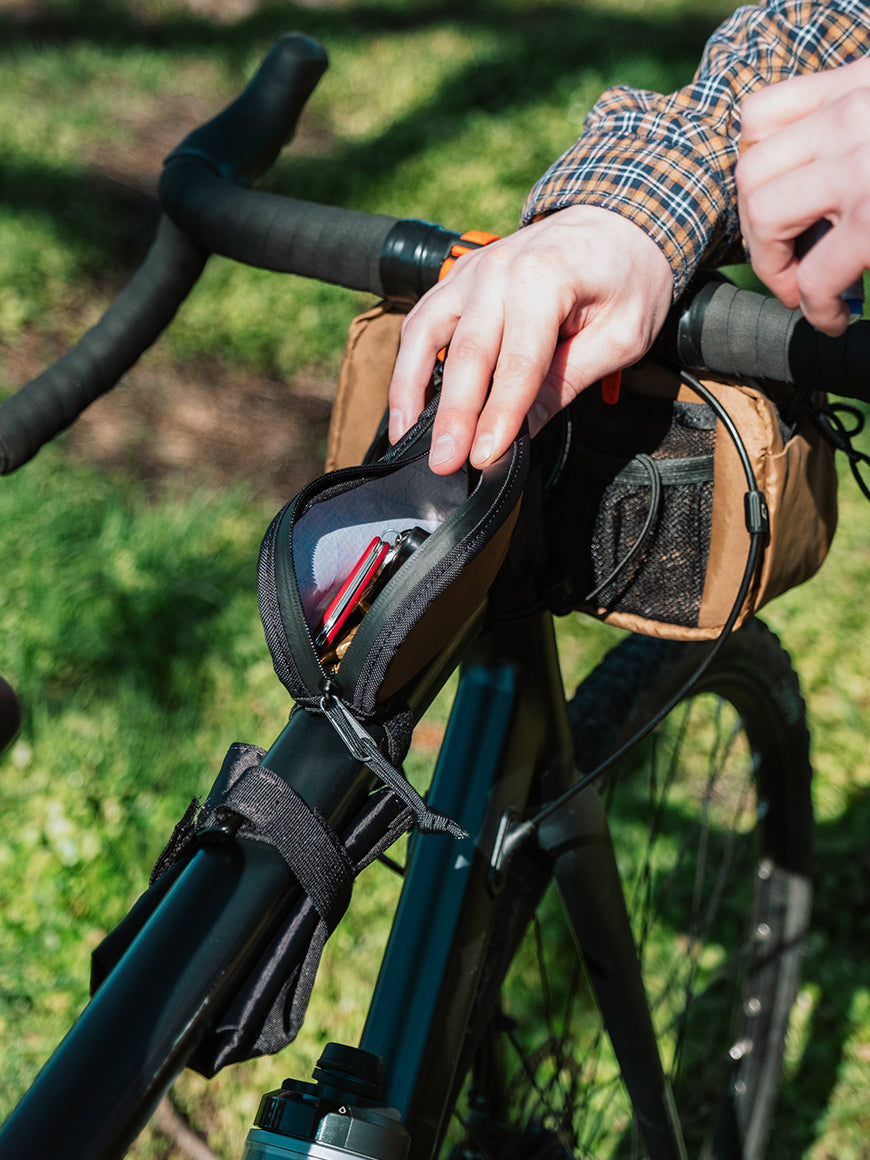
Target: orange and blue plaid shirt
point(667, 162)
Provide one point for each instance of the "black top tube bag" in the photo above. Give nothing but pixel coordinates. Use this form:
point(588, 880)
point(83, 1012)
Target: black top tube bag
point(460, 528)
point(442, 541)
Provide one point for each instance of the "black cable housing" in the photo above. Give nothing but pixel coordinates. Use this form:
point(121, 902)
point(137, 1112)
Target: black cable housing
point(757, 526)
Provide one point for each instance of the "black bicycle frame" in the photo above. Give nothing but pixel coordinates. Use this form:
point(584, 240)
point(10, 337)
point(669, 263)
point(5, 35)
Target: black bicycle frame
point(507, 746)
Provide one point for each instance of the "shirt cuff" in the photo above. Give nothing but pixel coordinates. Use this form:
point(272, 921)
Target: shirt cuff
point(664, 190)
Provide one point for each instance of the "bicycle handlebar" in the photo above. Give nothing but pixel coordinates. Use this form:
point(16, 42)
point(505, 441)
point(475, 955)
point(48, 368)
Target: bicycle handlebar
point(49, 403)
point(209, 207)
point(203, 189)
point(741, 333)
point(241, 143)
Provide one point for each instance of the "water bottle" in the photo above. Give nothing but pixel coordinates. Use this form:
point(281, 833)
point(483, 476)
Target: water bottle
point(338, 1117)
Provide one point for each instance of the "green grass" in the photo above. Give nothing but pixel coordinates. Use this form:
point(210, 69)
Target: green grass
point(128, 618)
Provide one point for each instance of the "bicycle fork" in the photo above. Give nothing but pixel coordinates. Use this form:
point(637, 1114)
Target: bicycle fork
point(589, 883)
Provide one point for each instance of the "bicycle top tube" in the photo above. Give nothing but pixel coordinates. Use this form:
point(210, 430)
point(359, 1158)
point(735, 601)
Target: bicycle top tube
point(209, 207)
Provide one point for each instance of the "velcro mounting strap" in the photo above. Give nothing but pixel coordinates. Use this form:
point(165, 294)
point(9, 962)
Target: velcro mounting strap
point(276, 814)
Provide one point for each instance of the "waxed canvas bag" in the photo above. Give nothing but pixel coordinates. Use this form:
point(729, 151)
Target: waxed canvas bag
point(646, 523)
point(682, 514)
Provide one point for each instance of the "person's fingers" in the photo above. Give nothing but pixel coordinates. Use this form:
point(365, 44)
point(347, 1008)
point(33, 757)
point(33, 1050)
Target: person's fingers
point(501, 313)
point(778, 212)
point(534, 319)
point(768, 110)
point(834, 131)
point(611, 344)
point(500, 349)
point(468, 367)
point(425, 333)
point(837, 260)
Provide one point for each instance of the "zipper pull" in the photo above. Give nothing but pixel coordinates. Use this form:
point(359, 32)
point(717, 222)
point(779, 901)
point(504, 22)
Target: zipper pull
point(364, 748)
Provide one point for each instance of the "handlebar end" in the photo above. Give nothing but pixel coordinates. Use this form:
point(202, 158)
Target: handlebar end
point(242, 142)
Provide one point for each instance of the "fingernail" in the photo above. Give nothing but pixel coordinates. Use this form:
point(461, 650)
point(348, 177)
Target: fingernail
point(482, 449)
point(398, 426)
point(442, 449)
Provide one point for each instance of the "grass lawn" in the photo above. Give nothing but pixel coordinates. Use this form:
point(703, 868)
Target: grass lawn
point(128, 616)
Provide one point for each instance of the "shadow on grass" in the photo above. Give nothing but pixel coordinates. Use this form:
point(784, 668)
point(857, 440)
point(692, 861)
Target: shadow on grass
point(112, 224)
point(530, 54)
point(115, 594)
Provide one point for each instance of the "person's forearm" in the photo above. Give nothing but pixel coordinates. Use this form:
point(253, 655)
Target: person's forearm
point(667, 162)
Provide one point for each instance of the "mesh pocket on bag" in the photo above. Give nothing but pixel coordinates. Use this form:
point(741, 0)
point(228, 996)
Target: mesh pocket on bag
point(649, 517)
point(646, 520)
point(640, 512)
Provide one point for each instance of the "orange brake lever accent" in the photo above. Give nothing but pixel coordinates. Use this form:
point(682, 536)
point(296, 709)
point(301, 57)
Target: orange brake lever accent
point(472, 240)
point(610, 387)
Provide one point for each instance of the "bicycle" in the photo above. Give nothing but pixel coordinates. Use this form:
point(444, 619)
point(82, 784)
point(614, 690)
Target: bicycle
point(517, 743)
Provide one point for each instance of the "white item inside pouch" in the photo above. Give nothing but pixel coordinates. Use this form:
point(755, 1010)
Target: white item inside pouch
point(330, 537)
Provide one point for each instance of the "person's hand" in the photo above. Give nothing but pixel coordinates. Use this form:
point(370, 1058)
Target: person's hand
point(808, 159)
point(539, 315)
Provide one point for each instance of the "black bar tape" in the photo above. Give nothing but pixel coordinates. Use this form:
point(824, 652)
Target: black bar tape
point(204, 184)
point(737, 332)
point(49, 403)
point(840, 366)
point(243, 141)
point(746, 334)
point(276, 233)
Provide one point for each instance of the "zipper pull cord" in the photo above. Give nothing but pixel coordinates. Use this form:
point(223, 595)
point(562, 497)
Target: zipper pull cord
point(364, 748)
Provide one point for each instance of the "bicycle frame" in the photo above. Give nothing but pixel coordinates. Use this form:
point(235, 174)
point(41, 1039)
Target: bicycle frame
point(507, 746)
point(507, 741)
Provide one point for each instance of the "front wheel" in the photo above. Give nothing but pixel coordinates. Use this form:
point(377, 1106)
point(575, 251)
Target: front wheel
point(711, 821)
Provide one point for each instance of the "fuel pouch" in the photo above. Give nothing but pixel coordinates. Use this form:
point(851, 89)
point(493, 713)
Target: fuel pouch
point(315, 540)
point(645, 523)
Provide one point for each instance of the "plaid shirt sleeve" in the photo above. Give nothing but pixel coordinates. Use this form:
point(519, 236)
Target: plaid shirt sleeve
point(667, 162)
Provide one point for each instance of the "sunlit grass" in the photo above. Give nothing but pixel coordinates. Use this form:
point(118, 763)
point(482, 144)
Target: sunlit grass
point(128, 618)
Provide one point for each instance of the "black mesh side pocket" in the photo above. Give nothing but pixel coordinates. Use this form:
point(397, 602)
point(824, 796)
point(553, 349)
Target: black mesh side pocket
point(631, 514)
point(649, 516)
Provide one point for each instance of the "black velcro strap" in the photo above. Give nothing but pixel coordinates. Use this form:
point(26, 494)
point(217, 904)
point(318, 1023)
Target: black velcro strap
point(252, 801)
point(276, 814)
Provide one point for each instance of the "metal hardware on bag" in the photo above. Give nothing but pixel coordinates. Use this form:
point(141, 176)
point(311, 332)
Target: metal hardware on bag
point(360, 743)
